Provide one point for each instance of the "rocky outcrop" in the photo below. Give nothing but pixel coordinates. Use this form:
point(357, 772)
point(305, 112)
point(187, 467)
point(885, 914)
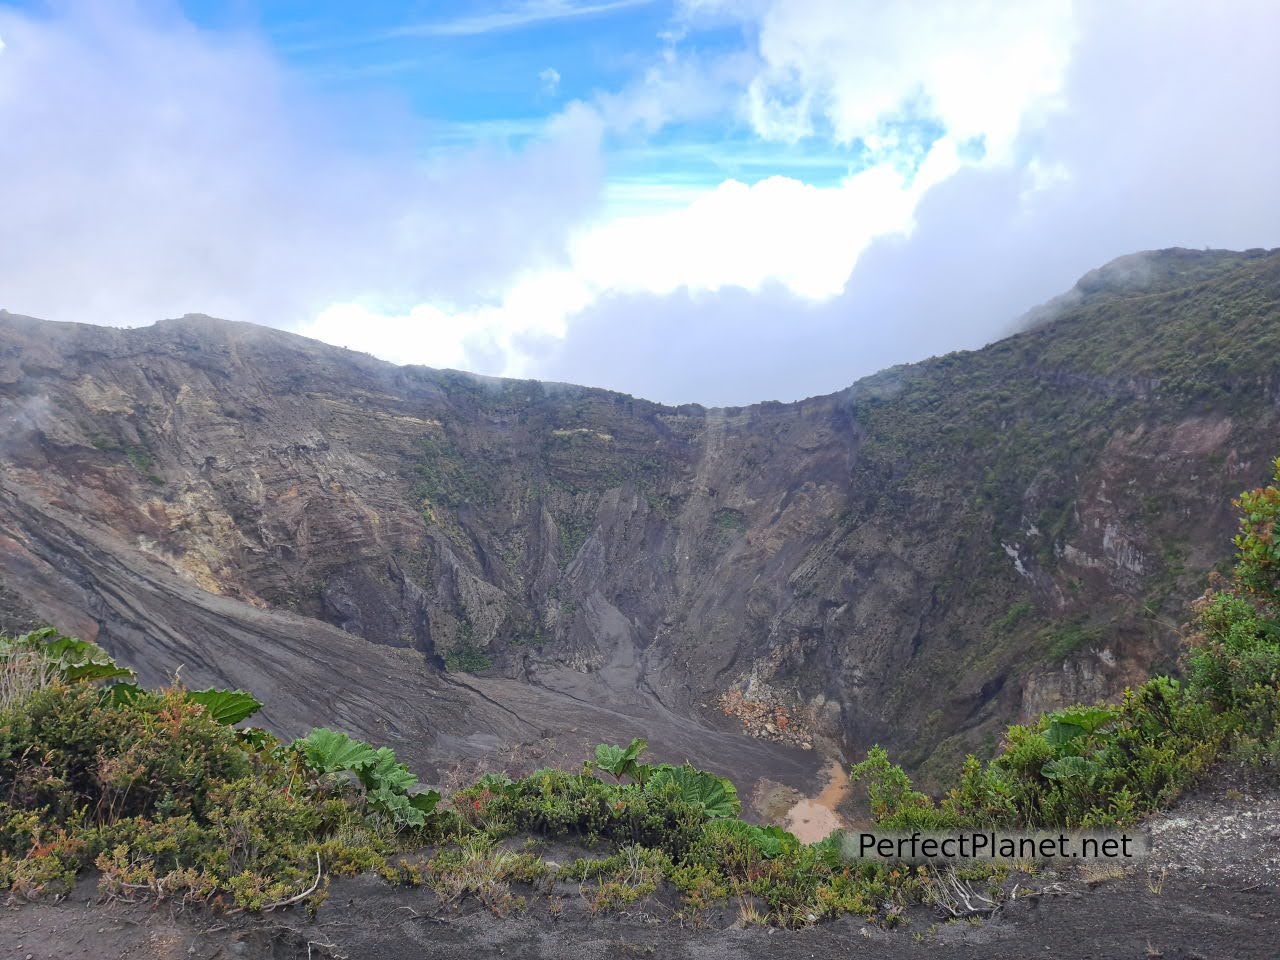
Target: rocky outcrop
point(915, 560)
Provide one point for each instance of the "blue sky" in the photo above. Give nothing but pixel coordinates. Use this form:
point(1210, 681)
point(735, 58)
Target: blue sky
point(486, 73)
point(709, 200)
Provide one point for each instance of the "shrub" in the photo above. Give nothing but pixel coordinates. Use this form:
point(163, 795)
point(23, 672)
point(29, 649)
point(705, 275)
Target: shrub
point(390, 788)
point(624, 878)
point(73, 752)
point(1257, 571)
point(555, 803)
point(166, 798)
point(479, 868)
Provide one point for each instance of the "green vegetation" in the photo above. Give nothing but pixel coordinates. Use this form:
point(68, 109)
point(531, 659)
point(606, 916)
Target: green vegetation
point(138, 455)
point(466, 657)
point(446, 478)
point(1063, 639)
point(729, 521)
point(1104, 766)
point(573, 532)
point(159, 792)
point(167, 798)
point(622, 761)
point(1013, 617)
point(389, 787)
point(1019, 419)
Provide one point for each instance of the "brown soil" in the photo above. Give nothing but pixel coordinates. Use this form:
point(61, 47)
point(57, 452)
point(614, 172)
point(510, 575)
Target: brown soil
point(1207, 891)
point(816, 818)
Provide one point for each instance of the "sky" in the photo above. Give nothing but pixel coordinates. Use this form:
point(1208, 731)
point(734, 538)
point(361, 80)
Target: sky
point(713, 201)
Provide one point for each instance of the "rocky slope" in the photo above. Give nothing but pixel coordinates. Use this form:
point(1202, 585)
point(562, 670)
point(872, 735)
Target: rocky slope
point(454, 563)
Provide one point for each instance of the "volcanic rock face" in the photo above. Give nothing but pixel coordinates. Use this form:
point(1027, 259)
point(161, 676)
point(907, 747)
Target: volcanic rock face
point(915, 560)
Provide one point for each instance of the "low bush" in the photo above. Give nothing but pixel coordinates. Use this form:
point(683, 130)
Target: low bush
point(158, 791)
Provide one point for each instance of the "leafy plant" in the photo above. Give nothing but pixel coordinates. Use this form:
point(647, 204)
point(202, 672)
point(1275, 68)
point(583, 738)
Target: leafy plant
point(330, 751)
point(227, 707)
point(74, 659)
point(1068, 730)
point(622, 761)
point(79, 661)
point(390, 787)
point(715, 796)
point(1071, 768)
point(1102, 766)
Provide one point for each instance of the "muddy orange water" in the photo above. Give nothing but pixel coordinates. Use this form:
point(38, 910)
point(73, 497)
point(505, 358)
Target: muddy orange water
point(813, 818)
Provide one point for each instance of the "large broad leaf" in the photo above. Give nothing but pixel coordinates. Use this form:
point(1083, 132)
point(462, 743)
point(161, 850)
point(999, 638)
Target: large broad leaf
point(1060, 733)
point(1070, 768)
point(425, 801)
point(1090, 719)
point(405, 809)
point(328, 751)
point(397, 806)
point(79, 661)
point(715, 795)
point(225, 706)
point(68, 649)
point(89, 672)
point(389, 785)
point(620, 761)
point(1067, 729)
point(380, 769)
point(775, 840)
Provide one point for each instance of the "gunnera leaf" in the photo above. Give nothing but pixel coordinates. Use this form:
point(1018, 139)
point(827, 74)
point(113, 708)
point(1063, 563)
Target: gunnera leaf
point(227, 707)
point(1070, 768)
point(328, 751)
point(1088, 718)
point(717, 797)
point(620, 761)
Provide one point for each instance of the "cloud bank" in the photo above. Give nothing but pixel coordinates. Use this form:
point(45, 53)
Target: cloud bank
point(149, 169)
point(993, 154)
point(1165, 135)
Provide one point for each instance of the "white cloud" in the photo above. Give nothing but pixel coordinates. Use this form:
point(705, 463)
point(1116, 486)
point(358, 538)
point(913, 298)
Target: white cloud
point(515, 17)
point(484, 338)
point(1167, 137)
point(844, 69)
point(779, 232)
point(550, 80)
point(229, 195)
point(682, 86)
point(161, 169)
point(848, 70)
